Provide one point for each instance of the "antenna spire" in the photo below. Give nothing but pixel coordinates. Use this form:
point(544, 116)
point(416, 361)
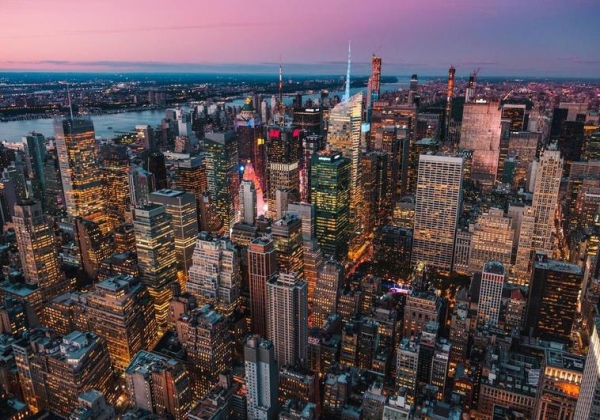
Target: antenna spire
point(280, 82)
point(347, 92)
point(68, 96)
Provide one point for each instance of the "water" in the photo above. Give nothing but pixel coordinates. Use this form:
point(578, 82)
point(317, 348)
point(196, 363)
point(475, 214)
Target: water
point(110, 125)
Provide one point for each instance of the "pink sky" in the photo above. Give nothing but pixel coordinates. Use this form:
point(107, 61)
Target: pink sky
point(410, 34)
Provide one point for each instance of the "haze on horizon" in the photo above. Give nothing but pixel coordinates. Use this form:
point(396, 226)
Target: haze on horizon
point(504, 37)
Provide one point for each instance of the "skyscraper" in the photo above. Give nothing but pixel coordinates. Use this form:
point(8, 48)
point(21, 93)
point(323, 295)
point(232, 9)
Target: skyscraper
point(287, 318)
point(588, 403)
point(283, 162)
point(437, 208)
point(552, 300)
point(247, 202)
point(261, 378)
point(480, 132)
point(215, 277)
point(374, 81)
point(35, 155)
point(120, 310)
point(330, 281)
point(80, 168)
point(545, 198)
point(115, 183)
point(344, 136)
point(490, 293)
point(39, 259)
point(155, 245)
point(262, 266)
point(222, 175)
point(492, 240)
point(181, 206)
point(287, 237)
point(159, 384)
point(330, 193)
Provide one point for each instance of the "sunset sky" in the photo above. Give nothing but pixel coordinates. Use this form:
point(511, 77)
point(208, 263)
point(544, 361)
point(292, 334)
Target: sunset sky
point(510, 37)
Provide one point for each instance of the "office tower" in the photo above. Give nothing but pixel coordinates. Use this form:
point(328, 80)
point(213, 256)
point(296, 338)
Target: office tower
point(157, 166)
point(374, 166)
point(203, 334)
point(559, 387)
point(588, 403)
point(37, 251)
point(157, 259)
point(283, 162)
point(80, 169)
point(407, 364)
point(115, 183)
point(552, 302)
point(93, 246)
point(287, 318)
point(145, 137)
point(545, 198)
point(374, 83)
point(190, 176)
point(414, 83)
point(120, 310)
point(287, 238)
point(480, 132)
point(222, 174)
point(35, 155)
point(181, 206)
point(215, 277)
point(492, 240)
point(248, 126)
point(330, 281)
point(490, 293)
point(524, 146)
point(124, 238)
point(62, 369)
point(344, 136)
point(449, 96)
point(437, 208)
point(392, 246)
point(247, 202)
point(54, 199)
point(330, 193)
point(261, 378)
point(517, 115)
point(159, 385)
point(262, 266)
point(525, 217)
point(141, 184)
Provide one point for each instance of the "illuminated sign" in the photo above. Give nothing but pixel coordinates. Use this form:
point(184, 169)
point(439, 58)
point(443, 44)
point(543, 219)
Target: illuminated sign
point(296, 132)
point(273, 133)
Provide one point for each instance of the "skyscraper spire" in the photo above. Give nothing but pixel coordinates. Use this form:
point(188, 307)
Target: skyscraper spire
point(347, 92)
point(280, 83)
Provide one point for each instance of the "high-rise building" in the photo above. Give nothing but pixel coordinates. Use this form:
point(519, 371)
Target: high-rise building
point(283, 162)
point(344, 136)
point(560, 381)
point(141, 184)
point(287, 318)
point(552, 301)
point(480, 132)
point(157, 260)
point(330, 281)
point(159, 385)
point(222, 175)
point(80, 168)
point(437, 208)
point(287, 238)
point(120, 310)
point(262, 266)
point(35, 155)
point(203, 334)
point(545, 198)
point(62, 369)
point(490, 293)
point(184, 222)
point(247, 202)
point(261, 378)
point(115, 183)
point(407, 364)
point(524, 147)
point(190, 176)
point(156, 165)
point(588, 403)
point(215, 277)
point(93, 246)
point(330, 193)
point(37, 250)
point(524, 218)
point(491, 240)
point(374, 81)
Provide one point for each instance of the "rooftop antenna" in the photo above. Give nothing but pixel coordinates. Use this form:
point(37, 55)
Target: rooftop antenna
point(69, 97)
point(347, 92)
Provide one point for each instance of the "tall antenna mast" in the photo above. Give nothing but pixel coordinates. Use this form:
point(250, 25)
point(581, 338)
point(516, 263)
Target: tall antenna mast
point(347, 92)
point(69, 97)
point(280, 82)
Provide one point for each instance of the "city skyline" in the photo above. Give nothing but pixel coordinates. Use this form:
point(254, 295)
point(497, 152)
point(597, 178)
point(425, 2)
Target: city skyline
point(527, 39)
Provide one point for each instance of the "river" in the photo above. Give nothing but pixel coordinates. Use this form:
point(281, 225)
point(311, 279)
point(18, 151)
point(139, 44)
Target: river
point(109, 125)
